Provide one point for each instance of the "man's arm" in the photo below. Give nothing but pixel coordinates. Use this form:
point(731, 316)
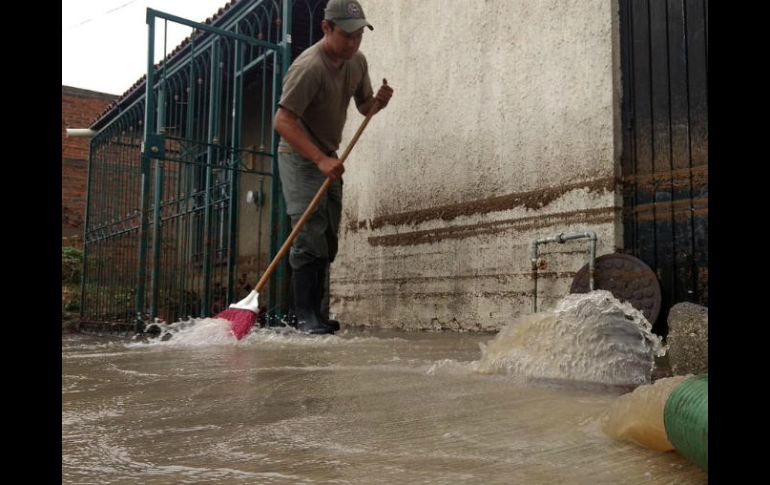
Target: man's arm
point(287, 125)
point(383, 96)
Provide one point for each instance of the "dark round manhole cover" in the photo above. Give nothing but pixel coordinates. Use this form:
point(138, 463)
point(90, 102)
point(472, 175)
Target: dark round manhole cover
point(627, 278)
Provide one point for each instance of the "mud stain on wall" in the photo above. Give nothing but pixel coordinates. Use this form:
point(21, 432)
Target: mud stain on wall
point(429, 236)
point(435, 295)
point(502, 278)
point(535, 199)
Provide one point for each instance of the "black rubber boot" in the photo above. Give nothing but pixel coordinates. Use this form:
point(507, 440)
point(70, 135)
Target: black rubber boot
point(306, 291)
point(323, 313)
point(333, 324)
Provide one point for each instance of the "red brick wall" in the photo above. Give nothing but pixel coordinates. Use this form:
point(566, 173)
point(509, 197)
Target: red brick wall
point(79, 108)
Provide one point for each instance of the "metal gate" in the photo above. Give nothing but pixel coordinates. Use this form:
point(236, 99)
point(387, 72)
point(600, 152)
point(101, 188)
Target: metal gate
point(664, 55)
point(169, 230)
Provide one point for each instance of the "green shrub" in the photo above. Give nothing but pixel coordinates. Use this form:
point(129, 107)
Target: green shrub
point(71, 263)
point(72, 304)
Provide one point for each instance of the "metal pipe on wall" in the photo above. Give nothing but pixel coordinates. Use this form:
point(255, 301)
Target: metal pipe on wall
point(80, 133)
point(561, 238)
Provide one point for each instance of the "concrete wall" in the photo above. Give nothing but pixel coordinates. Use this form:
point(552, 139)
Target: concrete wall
point(79, 107)
point(504, 127)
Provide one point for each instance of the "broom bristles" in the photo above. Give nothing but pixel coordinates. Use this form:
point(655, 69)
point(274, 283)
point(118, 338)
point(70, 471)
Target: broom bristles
point(240, 320)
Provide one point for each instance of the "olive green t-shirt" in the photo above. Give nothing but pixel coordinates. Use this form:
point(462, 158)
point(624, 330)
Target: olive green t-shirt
point(319, 94)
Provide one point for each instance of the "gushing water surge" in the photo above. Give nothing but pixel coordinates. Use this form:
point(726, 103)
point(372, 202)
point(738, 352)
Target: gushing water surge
point(587, 338)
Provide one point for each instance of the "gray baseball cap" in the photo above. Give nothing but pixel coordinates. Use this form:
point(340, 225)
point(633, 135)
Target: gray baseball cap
point(348, 14)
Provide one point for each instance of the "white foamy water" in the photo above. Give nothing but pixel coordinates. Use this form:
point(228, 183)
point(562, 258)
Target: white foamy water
point(195, 332)
point(208, 332)
point(589, 337)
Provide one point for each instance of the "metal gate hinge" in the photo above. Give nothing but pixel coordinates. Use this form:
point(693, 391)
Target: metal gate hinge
point(155, 146)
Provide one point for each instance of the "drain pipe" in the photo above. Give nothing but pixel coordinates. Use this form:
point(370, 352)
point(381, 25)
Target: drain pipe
point(80, 133)
point(561, 238)
point(686, 420)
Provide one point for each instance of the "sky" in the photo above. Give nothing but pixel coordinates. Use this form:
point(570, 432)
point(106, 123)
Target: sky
point(104, 42)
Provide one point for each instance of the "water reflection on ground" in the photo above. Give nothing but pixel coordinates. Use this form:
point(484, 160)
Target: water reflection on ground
point(360, 407)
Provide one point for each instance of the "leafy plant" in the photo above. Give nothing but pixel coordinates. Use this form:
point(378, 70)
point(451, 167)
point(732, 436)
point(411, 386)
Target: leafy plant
point(71, 263)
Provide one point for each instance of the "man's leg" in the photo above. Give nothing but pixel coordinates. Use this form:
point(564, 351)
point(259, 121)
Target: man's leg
point(323, 275)
point(334, 214)
point(323, 304)
point(309, 260)
point(309, 251)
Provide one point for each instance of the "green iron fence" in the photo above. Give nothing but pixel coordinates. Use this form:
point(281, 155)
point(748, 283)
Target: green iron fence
point(170, 232)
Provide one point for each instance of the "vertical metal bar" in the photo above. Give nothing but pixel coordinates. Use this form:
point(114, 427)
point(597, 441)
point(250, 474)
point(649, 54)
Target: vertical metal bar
point(698, 116)
point(262, 149)
point(111, 167)
point(176, 283)
point(200, 179)
point(627, 158)
point(136, 183)
point(683, 260)
point(131, 185)
point(159, 259)
point(188, 168)
point(660, 80)
point(263, 104)
point(236, 165)
point(86, 248)
point(278, 214)
point(157, 201)
point(261, 200)
point(101, 255)
point(643, 133)
point(149, 129)
point(128, 184)
point(94, 234)
point(213, 138)
point(117, 250)
point(102, 244)
point(119, 222)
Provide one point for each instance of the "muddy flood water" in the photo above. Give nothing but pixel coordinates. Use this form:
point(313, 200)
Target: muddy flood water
point(357, 407)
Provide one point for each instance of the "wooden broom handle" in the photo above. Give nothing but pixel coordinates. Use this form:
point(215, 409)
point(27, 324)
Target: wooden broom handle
point(314, 203)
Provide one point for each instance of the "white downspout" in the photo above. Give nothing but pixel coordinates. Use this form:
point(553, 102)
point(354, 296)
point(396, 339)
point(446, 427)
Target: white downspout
point(80, 133)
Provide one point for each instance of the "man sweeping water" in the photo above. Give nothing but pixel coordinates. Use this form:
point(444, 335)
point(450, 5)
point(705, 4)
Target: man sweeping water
point(311, 116)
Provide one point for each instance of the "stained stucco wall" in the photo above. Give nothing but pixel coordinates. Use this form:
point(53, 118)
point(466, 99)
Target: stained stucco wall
point(504, 128)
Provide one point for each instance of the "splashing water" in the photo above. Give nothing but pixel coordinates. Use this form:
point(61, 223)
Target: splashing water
point(193, 332)
point(589, 337)
point(209, 332)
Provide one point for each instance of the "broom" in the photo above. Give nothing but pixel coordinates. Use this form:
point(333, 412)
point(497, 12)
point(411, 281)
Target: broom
point(243, 314)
